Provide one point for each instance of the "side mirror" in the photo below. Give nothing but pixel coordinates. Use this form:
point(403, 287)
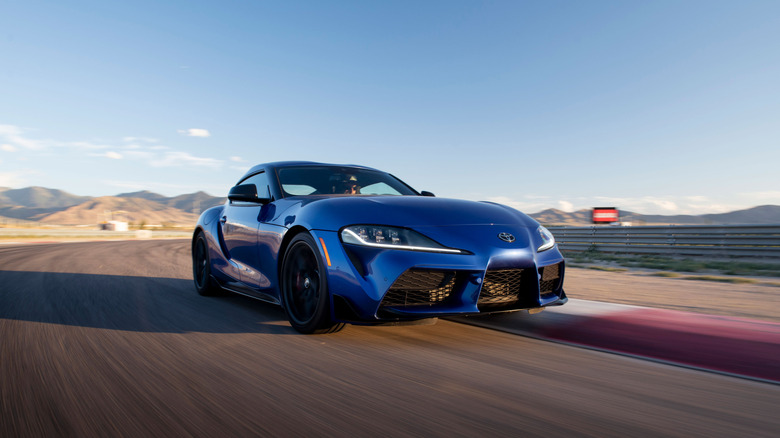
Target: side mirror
point(424, 193)
point(246, 193)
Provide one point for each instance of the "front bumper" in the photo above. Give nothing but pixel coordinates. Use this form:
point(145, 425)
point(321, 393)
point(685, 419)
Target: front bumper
point(371, 285)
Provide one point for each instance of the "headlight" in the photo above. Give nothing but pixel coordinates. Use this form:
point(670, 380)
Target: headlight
point(378, 236)
point(548, 241)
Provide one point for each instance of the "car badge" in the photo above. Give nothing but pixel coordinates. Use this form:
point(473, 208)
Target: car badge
point(506, 237)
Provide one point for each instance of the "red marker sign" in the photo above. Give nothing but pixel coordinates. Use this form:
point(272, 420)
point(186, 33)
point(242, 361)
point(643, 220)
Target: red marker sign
point(605, 215)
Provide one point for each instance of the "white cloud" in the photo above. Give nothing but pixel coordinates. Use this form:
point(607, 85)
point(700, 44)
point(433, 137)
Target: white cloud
point(566, 206)
point(242, 169)
point(525, 207)
point(665, 205)
point(140, 154)
point(15, 139)
point(157, 155)
point(163, 156)
point(195, 132)
point(763, 197)
point(175, 159)
point(85, 145)
point(139, 139)
point(236, 159)
point(11, 179)
point(13, 135)
point(153, 186)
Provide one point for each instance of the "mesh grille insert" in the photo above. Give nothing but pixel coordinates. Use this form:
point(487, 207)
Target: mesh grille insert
point(420, 287)
point(550, 278)
point(501, 286)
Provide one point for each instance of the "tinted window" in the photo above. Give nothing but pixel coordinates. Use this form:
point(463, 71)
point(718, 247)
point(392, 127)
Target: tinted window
point(334, 180)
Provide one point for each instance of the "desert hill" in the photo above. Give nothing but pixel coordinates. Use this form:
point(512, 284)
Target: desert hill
point(26, 213)
point(144, 194)
point(39, 197)
point(51, 206)
point(194, 202)
point(107, 208)
point(764, 214)
point(553, 216)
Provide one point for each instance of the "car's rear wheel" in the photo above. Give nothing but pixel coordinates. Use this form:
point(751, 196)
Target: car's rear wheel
point(201, 267)
point(305, 288)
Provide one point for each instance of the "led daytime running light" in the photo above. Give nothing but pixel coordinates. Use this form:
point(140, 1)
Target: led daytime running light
point(547, 238)
point(351, 237)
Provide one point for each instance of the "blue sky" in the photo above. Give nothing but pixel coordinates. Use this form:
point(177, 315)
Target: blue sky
point(664, 107)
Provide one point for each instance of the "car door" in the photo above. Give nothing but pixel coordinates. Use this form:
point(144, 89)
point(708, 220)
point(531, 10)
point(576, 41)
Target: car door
point(240, 224)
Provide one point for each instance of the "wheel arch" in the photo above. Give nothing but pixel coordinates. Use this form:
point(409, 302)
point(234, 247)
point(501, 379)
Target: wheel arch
point(288, 237)
point(198, 229)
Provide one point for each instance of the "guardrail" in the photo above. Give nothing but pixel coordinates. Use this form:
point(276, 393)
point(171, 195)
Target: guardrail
point(684, 240)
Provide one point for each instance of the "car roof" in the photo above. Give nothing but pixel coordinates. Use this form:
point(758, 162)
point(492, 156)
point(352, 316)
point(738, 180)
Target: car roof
point(282, 164)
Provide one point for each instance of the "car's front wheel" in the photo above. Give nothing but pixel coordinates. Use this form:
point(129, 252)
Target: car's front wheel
point(305, 288)
point(201, 267)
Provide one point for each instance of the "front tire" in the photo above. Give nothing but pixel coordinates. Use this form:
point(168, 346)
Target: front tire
point(201, 267)
point(305, 288)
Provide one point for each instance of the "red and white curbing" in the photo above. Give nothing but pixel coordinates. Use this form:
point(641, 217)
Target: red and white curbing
point(735, 346)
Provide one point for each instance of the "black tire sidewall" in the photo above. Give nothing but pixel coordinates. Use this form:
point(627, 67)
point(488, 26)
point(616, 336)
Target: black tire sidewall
point(321, 317)
point(207, 288)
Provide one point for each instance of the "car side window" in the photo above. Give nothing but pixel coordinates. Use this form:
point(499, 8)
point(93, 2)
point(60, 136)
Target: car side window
point(260, 180)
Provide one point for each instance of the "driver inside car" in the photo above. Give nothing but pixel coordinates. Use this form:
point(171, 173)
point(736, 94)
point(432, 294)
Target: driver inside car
point(352, 187)
point(347, 186)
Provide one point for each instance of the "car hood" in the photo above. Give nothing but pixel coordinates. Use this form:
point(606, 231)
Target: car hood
point(332, 213)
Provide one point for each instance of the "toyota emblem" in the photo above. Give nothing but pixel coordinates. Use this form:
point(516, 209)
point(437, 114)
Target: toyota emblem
point(506, 237)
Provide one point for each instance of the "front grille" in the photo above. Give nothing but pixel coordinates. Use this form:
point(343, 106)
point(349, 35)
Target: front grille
point(420, 287)
point(550, 279)
point(502, 286)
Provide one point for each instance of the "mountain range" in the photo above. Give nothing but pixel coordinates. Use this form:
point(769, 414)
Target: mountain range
point(51, 206)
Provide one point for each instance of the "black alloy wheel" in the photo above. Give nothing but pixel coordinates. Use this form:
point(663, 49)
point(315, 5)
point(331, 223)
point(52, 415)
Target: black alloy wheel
point(201, 267)
point(305, 288)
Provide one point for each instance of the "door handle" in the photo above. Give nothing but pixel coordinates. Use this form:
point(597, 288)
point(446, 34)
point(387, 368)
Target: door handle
point(223, 219)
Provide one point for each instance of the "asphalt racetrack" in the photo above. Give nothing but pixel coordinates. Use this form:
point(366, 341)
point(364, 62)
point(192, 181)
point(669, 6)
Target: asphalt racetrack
point(111, 339)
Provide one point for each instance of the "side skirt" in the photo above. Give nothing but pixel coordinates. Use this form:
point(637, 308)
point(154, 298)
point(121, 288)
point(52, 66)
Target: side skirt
point(240, 289)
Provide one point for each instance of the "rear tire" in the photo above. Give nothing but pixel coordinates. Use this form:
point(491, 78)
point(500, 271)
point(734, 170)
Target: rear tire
point(304, 288)
point(201, 267)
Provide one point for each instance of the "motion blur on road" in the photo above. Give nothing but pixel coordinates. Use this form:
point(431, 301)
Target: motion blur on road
point(111, 339)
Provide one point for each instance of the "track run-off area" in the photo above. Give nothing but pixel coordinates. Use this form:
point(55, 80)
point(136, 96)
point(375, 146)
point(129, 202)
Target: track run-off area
point(111, 339)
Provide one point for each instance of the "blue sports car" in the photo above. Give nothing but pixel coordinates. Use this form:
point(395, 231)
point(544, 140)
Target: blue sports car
point(335, 244)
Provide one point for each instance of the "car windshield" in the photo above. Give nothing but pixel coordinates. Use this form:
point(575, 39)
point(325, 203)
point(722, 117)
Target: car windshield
point(336, 180)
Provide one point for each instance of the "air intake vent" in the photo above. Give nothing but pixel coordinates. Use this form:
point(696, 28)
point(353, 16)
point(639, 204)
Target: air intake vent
point(550, 278)
point(502, 286)
point(420, 287)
